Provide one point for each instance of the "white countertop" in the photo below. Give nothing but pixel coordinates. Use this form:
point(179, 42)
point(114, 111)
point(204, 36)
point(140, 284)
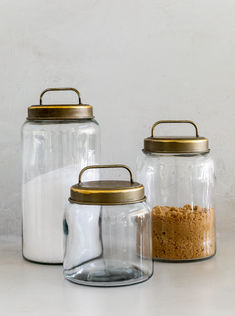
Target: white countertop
point(198, 288)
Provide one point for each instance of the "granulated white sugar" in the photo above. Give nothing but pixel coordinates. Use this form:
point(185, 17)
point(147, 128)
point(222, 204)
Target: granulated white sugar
point(44, 199)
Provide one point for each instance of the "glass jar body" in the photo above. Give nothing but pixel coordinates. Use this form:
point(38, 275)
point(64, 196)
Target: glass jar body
point(180, 191)
point(53, 154)
point(108, 245)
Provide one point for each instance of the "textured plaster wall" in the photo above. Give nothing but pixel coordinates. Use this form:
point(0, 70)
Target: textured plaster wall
point(136, 61)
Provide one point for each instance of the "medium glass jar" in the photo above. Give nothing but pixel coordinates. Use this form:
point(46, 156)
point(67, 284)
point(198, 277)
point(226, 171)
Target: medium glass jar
point(179, 178)
point(108, 233)
point(58, 141)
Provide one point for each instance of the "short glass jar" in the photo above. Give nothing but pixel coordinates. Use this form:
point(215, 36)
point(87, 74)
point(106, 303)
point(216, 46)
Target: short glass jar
point(179, 178)
point(108, 233)
point(57, 142)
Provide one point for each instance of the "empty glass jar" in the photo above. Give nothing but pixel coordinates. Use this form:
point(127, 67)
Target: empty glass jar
point(108, 233)
point(58, 141)
point(178, 175)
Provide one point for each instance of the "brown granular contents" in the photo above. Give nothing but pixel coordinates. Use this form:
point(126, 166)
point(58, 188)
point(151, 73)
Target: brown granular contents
point(183, 233)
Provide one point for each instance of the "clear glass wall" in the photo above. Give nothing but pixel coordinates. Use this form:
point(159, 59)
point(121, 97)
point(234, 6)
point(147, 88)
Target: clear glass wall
point(180, 191)
point(108, 245)
point(54, 152)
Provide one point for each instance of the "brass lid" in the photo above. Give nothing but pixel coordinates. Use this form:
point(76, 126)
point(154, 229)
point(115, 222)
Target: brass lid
point(176, 144)
point(107, 192)
point(60, 111)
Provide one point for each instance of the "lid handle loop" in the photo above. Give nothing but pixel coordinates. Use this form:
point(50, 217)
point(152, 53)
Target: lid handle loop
point(102, 167)
point(61, 89)
point(175, 121)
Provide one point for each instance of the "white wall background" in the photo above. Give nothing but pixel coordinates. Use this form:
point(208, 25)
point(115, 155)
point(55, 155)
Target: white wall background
point(136, 61)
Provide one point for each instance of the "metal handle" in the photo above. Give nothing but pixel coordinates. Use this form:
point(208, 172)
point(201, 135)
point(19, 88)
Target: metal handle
point(102, 167)
point(61, 89)
point(175, 121)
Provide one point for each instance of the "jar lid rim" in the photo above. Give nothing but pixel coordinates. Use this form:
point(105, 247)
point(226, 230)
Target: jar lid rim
point(107, 192)
point(178, 144)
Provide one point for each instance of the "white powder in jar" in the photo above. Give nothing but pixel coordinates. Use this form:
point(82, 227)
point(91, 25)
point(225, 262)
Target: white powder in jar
point(44, 200)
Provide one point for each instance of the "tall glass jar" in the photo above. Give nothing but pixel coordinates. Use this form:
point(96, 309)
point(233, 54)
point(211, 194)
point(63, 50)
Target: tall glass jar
point(58, 141)
point(108, 233)
point(178, 175)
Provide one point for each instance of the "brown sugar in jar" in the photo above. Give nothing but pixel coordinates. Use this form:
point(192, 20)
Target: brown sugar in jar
point(183, 233)
point(178, 170)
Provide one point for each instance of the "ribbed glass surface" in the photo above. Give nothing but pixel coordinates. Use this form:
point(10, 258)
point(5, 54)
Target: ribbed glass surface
point(180, 191)
point(54, 152)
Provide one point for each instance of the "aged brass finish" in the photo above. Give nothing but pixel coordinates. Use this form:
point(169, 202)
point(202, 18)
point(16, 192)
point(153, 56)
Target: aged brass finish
point(105, 167)
point(176, 144)
point(61, 89)
point(107, 192)
point(60, 111)
point(174, 121)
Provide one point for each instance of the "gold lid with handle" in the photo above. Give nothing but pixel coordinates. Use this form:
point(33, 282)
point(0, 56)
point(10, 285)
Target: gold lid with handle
point(60, 111)
point(176, 144)
point(107, 192)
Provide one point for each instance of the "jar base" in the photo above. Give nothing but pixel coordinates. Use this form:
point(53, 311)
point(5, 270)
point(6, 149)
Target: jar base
point(43, 263)
point(183, 260)
point(105, 276)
